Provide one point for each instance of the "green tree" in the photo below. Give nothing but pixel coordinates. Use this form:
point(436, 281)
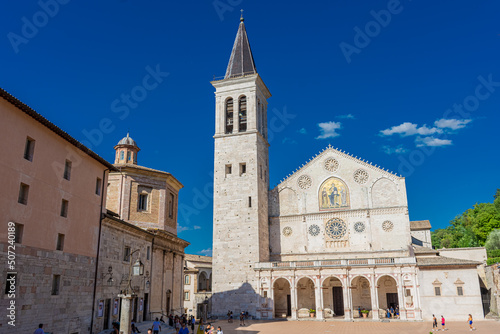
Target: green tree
point(493, 240)
point(471, 228)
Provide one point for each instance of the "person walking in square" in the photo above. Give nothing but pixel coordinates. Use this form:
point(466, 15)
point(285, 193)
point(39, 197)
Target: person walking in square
point(201, 328)
point(470, 322)
point(156, 326)
point(434, 323)
point(443, 328)
point(39, 330)
point(184, 329)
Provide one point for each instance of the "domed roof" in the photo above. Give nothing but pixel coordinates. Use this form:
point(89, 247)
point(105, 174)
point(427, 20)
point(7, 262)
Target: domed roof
point(127, 141)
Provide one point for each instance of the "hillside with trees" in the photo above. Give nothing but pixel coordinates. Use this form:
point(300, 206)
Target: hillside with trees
point(476, 227)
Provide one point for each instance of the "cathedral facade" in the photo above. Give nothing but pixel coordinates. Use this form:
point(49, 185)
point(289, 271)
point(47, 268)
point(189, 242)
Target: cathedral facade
point(333, 239)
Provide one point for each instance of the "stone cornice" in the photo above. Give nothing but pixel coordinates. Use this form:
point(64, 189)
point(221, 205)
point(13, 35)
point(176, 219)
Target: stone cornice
point(357, 213)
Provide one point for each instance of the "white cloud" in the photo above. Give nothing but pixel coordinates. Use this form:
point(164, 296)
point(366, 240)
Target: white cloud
point(182, 228)
point(327, 130)
point(394, 150)
point(287, 140)
point(196, 227)
point(409, 129)
point(348, 116)
point(453, 124)
point(206, 252)
point(302, 131)
point(432, 141)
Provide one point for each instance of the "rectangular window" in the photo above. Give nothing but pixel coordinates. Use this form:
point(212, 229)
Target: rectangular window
point(67, 170)
point(437, 290)
point(171, 206)
point(243, 168)
point(260, 171)
point(187, 280)
point(249, 201)
point(265, 294)
point(19, 233)
point(56, 281)
point(64, 208)
point(126, 254)
point(60, 242)
point(228, 169)
point(11, 283)
point(143, 202)
point(186, 295)
point(29, 149)
point(98, 186)
point(23, 194)
point(460, 291)
point(407, 292)
point(148, 253)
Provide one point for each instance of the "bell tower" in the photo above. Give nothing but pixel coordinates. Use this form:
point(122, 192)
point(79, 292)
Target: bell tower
point(241, 174)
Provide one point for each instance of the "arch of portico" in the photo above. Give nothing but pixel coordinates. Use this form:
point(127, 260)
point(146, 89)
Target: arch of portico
point(306, 296)
point(361, 289)
point(387, 291)
point(333, 296)
point(282, 298)
point(361, 295)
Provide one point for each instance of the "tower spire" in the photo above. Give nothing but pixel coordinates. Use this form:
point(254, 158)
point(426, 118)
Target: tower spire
point(241, 61)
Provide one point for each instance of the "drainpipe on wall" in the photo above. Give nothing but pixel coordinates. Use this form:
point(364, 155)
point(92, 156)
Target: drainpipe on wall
point(151, 278)
point(101, 217)
point(162, 281)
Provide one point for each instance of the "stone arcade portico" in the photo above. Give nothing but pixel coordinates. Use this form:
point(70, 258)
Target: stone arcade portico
point(359, 280)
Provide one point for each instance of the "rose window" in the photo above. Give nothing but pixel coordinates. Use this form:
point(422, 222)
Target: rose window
point(331, 165)
point(336, 228)
point(287, 231)
point(387, 226)
point(314, 230)
point(304, 181)
point(361, 176)
point(359, 227)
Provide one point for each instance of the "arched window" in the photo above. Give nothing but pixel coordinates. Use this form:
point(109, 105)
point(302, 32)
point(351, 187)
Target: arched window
point(229, 115)
point(122, 155)
point(242, 115)
point(128, 156)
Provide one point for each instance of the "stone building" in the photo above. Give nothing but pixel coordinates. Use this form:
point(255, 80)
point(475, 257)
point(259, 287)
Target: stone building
point(73, 257)
point(156, 290)
point(140, 227)
point(52, 195)
point(333, 237)
point(197, 285)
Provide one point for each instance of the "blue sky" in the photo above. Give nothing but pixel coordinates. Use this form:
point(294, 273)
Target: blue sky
point(412, 86)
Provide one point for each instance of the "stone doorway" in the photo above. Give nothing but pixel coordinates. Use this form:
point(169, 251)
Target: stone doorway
point(333, 297)
point(338, 301)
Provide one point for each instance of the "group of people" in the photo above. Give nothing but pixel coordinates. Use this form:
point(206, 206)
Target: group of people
point(443, 323)
point(243, 316)
point(208, 329)
point(392, 312)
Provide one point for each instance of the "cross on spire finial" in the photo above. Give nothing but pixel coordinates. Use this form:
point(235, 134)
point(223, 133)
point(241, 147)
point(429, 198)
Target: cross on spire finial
point(241, 18)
